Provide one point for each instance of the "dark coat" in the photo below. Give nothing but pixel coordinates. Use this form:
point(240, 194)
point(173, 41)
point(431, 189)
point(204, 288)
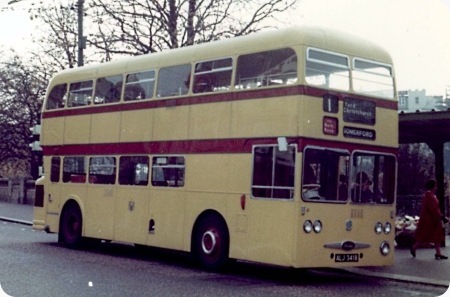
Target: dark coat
point(429, 228)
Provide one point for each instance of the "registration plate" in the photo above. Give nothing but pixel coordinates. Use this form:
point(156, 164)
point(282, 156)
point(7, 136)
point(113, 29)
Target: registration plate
point(346, 258)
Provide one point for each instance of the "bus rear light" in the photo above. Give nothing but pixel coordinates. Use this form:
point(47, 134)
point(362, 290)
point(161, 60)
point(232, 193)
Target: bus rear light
point(308, 226)
point(385, 248)
point(243, 198)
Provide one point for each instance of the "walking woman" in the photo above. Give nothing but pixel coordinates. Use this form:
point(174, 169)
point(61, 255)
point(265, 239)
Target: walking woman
point(429, 229)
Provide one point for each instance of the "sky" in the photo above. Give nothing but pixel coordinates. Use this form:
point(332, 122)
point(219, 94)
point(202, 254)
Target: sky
point(415, 32)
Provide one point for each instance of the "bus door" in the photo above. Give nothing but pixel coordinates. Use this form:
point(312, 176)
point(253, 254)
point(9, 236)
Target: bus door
point(132, 200)
point(271, 209)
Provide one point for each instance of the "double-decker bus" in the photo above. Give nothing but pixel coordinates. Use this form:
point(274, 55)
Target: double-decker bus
point(278, 147)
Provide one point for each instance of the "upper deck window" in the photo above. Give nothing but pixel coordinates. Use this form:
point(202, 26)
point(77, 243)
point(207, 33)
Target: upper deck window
point(139, 85)
point(373, 78)
point(108, 89)
point(327, 69)
point(270, 68)
point(212, 76)
point(173, 81)
point(80, 93)
point(57, 97)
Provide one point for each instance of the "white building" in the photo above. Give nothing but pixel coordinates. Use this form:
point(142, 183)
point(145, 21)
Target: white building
point(414, 100)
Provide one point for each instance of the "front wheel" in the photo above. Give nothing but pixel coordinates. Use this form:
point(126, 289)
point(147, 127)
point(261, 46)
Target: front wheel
point(211, 243)
point(71, 225)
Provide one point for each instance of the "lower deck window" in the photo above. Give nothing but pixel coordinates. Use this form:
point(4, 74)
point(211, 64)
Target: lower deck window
point(168, 171)
point(373, 178)
point(133, 170)
point(74, 170)
point(325, 175)
point(273, 172)
point(102, 170)
point(333, 175)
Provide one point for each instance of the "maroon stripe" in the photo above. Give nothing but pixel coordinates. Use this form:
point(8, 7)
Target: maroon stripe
point(214, 98)
point(217, 146)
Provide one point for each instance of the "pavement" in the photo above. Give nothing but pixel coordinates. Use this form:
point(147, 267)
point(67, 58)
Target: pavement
point(423, 269)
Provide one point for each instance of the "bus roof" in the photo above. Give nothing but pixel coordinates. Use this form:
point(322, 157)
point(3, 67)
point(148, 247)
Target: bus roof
point(322, 38)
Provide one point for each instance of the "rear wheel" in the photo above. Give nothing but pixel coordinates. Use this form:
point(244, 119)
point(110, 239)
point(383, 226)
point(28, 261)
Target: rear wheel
point(71, 226)
point(211, 243)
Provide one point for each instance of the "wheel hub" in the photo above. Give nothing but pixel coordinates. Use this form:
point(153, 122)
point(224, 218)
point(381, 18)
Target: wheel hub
point(209, 242)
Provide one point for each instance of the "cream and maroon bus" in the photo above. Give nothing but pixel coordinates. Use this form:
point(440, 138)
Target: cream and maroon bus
point(278, 147)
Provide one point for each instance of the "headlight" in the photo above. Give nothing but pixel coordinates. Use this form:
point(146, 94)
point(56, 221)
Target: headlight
point(378, 228)
point(385, 248)
point(387, 228)
point(317, 226)
point(308, 226)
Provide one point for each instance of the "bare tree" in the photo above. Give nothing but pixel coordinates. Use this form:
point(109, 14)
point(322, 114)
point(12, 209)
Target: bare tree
point(58, 36)
point(134, 27)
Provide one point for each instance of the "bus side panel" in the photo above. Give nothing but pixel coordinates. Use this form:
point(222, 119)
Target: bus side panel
point(171, 123)
point(271, 229)
point(267, 117)
point(136, 125)
point(166, 209)
point(105, 128)
point(131, 214)
point(100, 202)
point(77, 129)
point(52, 131)
point(210, 121)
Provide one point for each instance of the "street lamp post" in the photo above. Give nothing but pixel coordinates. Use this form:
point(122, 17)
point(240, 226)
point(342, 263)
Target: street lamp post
point(81, 38)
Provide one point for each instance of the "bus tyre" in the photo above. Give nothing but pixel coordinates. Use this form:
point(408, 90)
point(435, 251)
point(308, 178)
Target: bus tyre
point(71, 226)
point(211, 243)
